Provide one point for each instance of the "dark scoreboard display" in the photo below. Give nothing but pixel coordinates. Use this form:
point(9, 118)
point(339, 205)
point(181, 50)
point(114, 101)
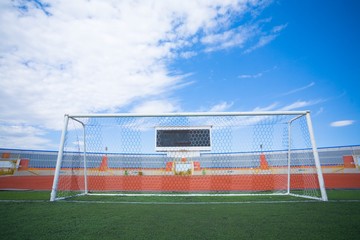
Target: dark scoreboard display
point(183, 138)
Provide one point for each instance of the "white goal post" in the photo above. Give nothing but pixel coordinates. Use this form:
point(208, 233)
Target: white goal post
point(192, 154)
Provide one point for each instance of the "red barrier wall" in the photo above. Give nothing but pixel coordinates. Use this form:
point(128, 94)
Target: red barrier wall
point(26, 182)
point(180, 183)
point(342, 180)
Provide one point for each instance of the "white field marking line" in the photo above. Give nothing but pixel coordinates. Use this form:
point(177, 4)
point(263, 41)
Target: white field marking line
point(355, 200)
point(23, 201)
point(209, 203)
point(178, 203)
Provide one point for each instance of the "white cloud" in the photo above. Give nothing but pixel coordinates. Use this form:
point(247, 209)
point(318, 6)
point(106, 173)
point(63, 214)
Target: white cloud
point(257, 75)
point(263, 40)
point(320, 111)
point(342, 123)
point(297, 105)
point(22, 136)
point(298, 89)
point(70, 56)
point(266, 37)
point(248, 36)
point(234, 37)
point(156, 106)
point(271, 107)
point(300, 105)
point(279, 28)
point(188, 54)
point(221, 107)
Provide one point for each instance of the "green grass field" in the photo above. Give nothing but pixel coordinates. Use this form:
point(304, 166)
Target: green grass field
point(29, 215)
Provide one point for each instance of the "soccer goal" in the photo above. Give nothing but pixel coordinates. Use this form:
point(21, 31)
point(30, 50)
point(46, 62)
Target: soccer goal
point(192, 154)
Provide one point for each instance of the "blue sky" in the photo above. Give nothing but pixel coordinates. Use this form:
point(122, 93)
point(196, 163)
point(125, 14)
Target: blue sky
point(67, 56)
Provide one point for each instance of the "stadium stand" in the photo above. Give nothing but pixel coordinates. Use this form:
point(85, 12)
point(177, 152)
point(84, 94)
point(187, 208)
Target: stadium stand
point(336, 162)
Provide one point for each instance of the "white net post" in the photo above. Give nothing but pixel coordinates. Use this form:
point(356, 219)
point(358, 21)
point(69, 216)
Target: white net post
point(316, 158)
point(59, 159)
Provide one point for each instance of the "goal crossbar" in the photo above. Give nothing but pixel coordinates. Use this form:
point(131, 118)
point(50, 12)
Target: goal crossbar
point(193, 114)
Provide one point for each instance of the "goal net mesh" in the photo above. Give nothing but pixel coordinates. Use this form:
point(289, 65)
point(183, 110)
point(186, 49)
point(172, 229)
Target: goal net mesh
point(243, 155)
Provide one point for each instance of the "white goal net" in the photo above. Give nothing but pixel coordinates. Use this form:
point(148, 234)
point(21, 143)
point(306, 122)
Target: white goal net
point(189, 154)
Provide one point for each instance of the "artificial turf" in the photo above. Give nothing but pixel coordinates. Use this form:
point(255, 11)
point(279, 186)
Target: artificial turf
point(37, 218)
